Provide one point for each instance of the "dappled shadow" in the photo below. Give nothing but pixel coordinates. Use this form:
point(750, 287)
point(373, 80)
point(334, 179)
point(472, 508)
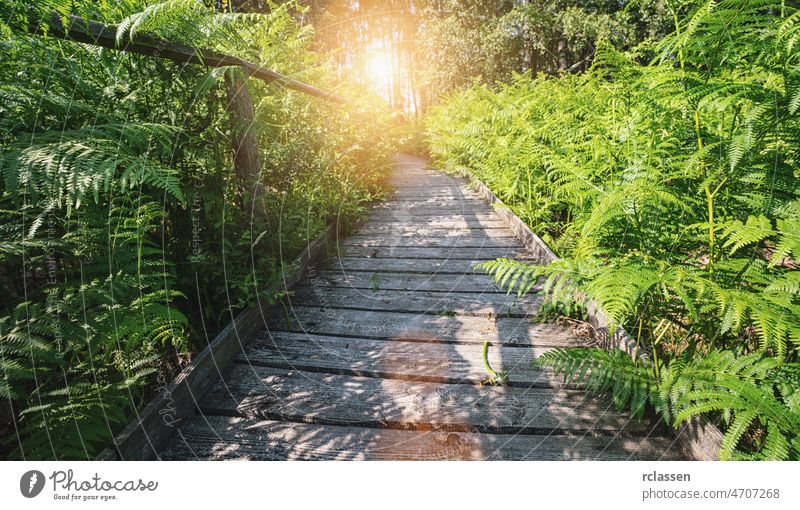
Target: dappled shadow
point(380, 361)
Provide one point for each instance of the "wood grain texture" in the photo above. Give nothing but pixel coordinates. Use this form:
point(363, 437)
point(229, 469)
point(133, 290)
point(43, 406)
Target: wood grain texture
point(466, 283)
point(439, 327)
point(452, 266)
point(444, 241)
point(418, 222)
point(313, 397)
point(430, 216)
point(378, 353)
point(413, 360)
point(235, 438)
point(400, 228)
point(420, 301)
point(428, 252)
point(443, 193)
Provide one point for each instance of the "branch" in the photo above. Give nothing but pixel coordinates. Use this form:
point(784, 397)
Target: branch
point(98, 34)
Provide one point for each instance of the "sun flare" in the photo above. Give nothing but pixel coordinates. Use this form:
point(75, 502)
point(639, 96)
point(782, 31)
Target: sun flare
point(380, 68)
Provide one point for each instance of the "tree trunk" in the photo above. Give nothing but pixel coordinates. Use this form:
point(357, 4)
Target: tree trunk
point(246, 158)
point(562, 54)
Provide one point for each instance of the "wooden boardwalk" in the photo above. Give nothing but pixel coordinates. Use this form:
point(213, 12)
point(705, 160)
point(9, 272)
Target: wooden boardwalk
point(379, 355)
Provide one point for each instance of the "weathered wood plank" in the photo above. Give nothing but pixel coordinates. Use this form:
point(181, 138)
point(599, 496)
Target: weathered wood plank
point(232, 438)
point(396, 359)
point(462, 208)
point(455, 201)
point(427, 252)
point(452, 193)
point(377, 324)
point(479, 283)
point(403, 230)
point(419, 266)
point(455, 241)
point(489, 305)
point(421, 180)
point(314, 397)
point(431, 216)
point(434, 222)
point(534, 243)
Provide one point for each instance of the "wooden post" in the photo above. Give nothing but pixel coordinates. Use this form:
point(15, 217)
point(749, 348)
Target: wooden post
point(246, 156)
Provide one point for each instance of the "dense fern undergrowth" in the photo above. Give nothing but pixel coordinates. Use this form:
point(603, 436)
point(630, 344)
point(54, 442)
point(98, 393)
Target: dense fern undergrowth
point(666, 179)
point(126, 243)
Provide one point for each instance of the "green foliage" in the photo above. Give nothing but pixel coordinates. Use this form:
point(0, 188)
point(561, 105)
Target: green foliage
point(126, 242)
point(670, 192)
point(631, 384)
point(496, 378)
point(755, 395)
point(461, 41)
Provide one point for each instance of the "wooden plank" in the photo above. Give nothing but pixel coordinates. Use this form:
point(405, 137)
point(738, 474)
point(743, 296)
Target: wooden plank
point(451, 193)
point(479, 283)
point(474, 304)
point(384, 325)
point(403, 231)
point(429, 190)
point(700, 438)
point(462, 241)
point(458, 202)
point(314, 397)
point(418, 266)
point(431, 216)
point(425, 208)
point(432, 223)
point(421, 180)
point(235, 438)
point(397, 359)
point(417, 252)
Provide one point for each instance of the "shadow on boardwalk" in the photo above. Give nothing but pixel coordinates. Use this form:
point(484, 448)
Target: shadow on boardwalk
point(379, 355)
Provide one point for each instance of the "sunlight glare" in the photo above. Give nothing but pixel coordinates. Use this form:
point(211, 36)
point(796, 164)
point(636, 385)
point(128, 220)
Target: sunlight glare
point(380, 68)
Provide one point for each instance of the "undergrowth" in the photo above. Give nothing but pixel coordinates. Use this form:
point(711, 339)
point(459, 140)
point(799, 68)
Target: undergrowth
point(666, 179)
point(126, 240)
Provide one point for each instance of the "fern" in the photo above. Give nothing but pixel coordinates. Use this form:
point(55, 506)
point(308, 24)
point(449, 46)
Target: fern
point(67, 171)
point(669, 190)
point(120, 216)
point(740, 388)
point(631, 384)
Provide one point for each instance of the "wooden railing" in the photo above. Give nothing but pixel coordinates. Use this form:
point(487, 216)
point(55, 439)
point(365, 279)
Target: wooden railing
point(247, 162)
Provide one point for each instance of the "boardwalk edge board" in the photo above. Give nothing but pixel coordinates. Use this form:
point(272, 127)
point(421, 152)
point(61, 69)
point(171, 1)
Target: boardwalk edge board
point(150, 432)
point(699, 439)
